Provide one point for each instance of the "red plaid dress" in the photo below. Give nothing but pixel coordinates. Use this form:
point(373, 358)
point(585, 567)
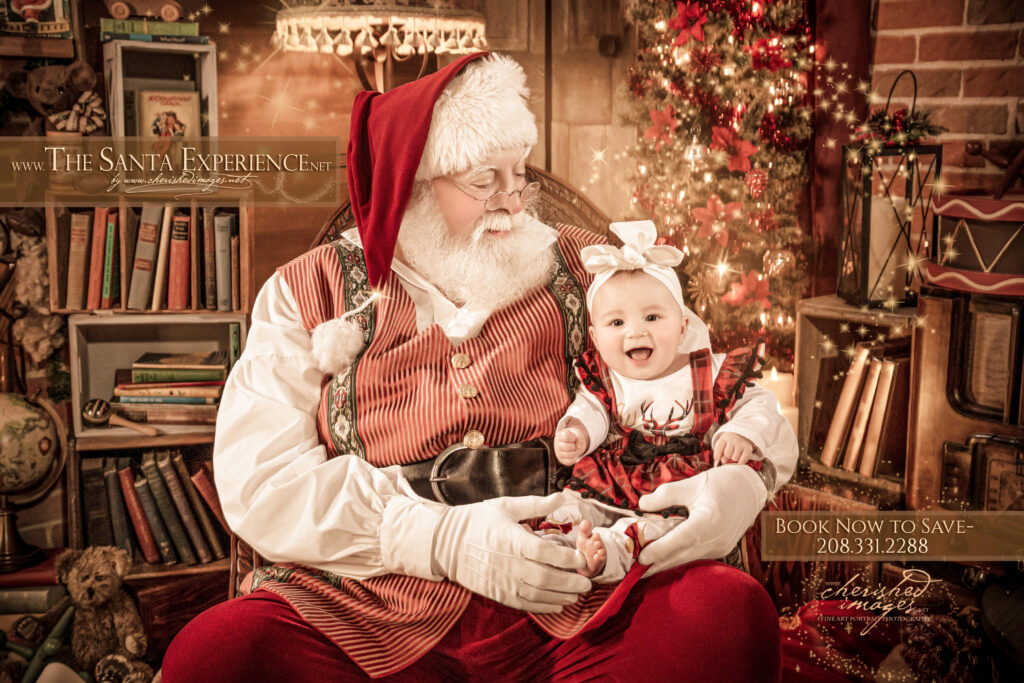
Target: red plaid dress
point(630, 463)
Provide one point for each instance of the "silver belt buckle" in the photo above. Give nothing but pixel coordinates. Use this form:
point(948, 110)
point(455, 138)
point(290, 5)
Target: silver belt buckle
point(435, 476)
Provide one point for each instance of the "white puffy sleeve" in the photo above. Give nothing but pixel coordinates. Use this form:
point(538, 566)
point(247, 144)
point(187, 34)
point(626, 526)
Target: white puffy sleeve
point(279, 490)
point(756, 416)
point(588, 410)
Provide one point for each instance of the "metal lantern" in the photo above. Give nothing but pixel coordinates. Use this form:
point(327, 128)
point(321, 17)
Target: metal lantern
point(888, 181)
point(887, 206)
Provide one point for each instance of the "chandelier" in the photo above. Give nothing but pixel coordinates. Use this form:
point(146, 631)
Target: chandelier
point(380, 33)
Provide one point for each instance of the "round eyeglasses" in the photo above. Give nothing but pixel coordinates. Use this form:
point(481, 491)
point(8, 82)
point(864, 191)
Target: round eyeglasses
point(499, 199)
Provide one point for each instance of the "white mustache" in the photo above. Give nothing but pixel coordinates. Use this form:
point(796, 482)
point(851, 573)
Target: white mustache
point(496, 221)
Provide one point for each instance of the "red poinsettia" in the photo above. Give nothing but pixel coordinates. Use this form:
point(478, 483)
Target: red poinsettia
point(689, 21)
point(704, 59)
point(768, 54)
point(663, 124)
point(749, 289)
point(714, 216)
point(738, 149)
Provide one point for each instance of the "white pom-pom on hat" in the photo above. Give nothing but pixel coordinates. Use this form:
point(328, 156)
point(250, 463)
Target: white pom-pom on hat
point(339, 341)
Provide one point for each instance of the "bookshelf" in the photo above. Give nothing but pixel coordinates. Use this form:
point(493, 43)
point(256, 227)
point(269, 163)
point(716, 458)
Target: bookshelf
point(101, 344)
point(131, 65)
point(825, 326)
point(62, 212)
point(169, 594)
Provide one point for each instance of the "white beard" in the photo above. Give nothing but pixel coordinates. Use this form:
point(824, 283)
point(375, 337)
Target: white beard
point(476, 270)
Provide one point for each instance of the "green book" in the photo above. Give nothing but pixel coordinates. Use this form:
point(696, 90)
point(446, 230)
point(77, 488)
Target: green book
point(115, 500)
point(149, 26)
point(156, 523)
point(183, 367)
point(165, 505)
point(111, 264)
point(235, 343)
point(177, 375)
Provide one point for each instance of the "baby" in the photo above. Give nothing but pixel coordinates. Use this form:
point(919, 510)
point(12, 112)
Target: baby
point(655, 405)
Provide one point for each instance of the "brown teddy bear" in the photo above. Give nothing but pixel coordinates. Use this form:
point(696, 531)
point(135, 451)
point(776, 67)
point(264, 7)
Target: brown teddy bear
point(64, 96)
point(107, 636)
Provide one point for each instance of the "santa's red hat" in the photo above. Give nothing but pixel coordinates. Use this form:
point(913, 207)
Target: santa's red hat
point(440, 124)
point(444, 123)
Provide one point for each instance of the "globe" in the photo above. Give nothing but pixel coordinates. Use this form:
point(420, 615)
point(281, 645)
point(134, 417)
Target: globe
point(28, 444)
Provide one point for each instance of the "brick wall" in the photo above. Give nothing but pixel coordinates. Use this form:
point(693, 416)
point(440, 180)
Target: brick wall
point(968, 56)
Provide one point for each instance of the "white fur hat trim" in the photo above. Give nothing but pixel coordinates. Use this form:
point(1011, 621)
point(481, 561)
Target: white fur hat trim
point(482, 110)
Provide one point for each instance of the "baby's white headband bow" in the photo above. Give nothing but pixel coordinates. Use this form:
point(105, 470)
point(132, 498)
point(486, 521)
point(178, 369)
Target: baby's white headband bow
point(640, 252)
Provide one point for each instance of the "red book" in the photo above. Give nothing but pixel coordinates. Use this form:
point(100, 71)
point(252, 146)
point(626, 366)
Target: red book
point(41, 574)
point(99, 238)
point(207, 490)
point(178, 268)
point(142, 531)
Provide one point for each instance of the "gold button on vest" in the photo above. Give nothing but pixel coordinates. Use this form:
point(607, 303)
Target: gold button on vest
point(473, 439)
point(467, 391)
point(460, 361)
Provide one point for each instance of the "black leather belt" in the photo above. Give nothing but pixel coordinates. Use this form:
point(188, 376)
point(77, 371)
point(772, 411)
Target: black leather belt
point(461, 475)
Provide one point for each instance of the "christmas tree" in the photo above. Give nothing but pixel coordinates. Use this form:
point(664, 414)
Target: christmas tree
point(720, 95)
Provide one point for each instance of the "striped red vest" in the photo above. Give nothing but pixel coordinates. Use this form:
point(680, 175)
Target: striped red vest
point(404, 400)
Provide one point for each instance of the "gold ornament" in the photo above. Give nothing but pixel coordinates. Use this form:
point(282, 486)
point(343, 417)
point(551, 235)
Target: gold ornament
point(778, 262)
point(704, 290)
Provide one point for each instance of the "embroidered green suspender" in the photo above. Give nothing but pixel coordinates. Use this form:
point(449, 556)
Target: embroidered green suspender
point(341, 416)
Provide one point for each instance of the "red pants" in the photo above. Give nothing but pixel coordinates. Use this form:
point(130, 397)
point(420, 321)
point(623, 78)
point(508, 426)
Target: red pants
point(701, 622)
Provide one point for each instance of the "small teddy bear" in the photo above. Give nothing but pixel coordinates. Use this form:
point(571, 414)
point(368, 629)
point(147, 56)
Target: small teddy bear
point(107, 636)
point(64, 95)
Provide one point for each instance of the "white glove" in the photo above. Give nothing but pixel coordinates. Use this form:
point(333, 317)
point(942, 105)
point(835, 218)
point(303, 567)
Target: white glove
point(483, 547)
point(724, 502)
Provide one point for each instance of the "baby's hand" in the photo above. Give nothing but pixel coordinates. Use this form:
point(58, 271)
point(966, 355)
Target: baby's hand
point(571, 442)
point(732, 447)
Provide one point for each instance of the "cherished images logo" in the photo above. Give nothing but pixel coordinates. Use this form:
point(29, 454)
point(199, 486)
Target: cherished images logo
point(94, 170)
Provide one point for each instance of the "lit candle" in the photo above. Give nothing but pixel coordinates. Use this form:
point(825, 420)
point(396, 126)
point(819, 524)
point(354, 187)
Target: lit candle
point(780, 384)
point(885, 263)
point(791, 413)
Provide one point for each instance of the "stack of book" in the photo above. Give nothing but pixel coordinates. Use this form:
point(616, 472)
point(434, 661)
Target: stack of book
point(867, 432)
point(172, 260)
point(31, 590)
point(165, 388)
point(159, 506)
point(151, 30)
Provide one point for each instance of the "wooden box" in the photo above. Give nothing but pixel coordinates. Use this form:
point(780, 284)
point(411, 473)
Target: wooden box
point(102, 344)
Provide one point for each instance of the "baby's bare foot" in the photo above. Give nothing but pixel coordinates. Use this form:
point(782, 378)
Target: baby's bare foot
point(593, 550)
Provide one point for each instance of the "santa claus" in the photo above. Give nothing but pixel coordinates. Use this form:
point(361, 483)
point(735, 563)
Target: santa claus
point(444, 328)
